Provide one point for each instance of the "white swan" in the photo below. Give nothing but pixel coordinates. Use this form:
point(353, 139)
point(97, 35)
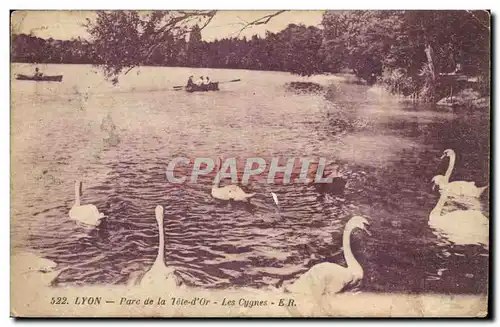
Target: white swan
point(462, 227)
point(228, 192)
point(275, 199)
point(33, 270)
point(159, 274)
point(87, 213)
point(458, 188)
point(330, 278)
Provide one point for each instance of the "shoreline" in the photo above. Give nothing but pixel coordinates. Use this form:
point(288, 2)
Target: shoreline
point(466, 98)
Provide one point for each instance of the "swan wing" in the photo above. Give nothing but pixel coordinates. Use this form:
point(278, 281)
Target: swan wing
point(230, 192)
point(220, 193)
point(322, 278)
point(462, 188)
point(88, 214)
point(160, 277)
point(307, 283)
point(240, 195)
point(463, 227)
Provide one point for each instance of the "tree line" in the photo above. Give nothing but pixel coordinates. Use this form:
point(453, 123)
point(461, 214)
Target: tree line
point(293, 50)
point(406, 50)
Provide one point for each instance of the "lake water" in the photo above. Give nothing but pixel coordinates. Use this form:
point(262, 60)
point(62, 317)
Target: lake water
point(389, 152)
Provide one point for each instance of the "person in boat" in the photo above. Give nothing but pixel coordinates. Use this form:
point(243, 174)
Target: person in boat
point(190, 82)
point(37, 72)
point(200, 81)
point(206, 84)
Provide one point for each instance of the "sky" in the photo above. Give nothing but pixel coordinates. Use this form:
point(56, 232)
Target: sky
point(65, 25)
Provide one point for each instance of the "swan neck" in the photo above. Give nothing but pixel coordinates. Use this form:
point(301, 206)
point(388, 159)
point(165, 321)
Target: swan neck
point(161, 242)
point(450, 167)
point(351, 261)
point(218, 167)
point(436, 212)
point(77, 193)
point(216, 181)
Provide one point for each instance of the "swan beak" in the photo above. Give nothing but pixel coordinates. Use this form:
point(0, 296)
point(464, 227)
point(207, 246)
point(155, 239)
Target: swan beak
point(366, 229)
point(443, 155)
point(433, 187)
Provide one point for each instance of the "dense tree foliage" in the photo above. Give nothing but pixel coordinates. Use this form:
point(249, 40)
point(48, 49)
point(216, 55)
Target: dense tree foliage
point(124, 39)
point(409, 51)
point(33, 49)
point(295, 49)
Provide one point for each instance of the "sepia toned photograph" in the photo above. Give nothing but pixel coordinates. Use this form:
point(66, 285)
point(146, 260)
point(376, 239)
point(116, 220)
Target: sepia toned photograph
point(283, 163)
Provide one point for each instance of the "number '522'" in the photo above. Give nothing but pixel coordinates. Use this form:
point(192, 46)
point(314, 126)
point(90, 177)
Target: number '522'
point(59, 300)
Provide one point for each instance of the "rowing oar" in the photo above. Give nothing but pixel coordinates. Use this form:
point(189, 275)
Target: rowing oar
point(179, 87)
point(233, 80)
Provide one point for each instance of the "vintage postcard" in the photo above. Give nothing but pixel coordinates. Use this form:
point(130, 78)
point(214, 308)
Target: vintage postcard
point(250, 163)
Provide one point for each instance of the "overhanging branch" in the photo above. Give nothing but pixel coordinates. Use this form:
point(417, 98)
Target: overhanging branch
point(262, 20)
point(153, 30)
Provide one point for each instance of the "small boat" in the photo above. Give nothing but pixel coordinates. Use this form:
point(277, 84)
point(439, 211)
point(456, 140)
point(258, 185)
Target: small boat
point(203, 88)
point(43, 78)
point(213, 86)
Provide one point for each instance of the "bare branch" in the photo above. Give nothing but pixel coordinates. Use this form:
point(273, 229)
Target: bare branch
point(211, 15)
point(171, 24)
point(128, 70)
point(152, 32)
point(208, 20)
point(262, 20)
point(244, 21)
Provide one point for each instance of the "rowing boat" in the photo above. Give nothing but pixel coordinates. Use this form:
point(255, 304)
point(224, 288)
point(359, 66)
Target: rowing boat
point(203, 88)
point(43, 78)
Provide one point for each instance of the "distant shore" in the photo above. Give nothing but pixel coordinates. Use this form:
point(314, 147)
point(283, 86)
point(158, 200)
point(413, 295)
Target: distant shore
point(463, 98)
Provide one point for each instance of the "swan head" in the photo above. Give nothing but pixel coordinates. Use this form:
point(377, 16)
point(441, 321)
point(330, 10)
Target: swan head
point(448, 153)
point(275, 198)
point(159, 213)
point(359, 222)
point(438, 180)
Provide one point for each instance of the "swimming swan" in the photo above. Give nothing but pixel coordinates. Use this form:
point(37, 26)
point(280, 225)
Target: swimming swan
point(228, 192)
point(159, 274)
point(87, 213)
point(458, 188)
point(330, 278)
point(460, 226)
